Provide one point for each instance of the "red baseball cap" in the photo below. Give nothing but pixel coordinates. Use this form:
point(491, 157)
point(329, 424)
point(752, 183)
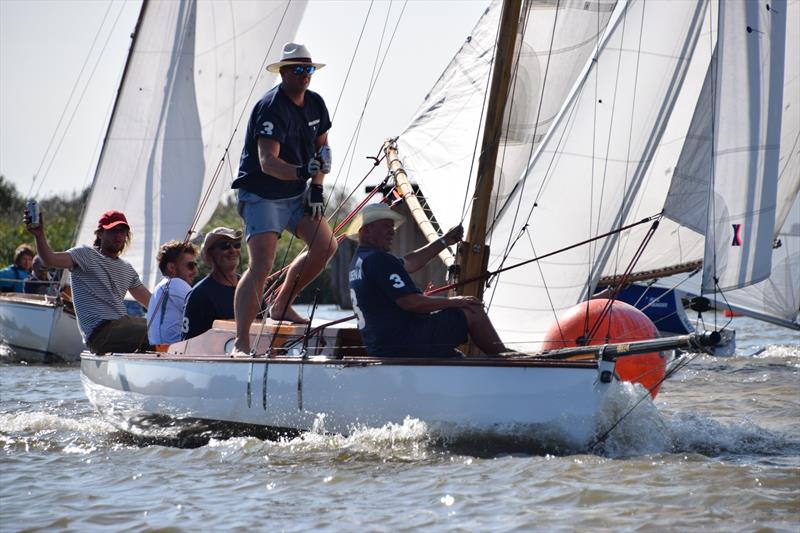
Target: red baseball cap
point(111, 219)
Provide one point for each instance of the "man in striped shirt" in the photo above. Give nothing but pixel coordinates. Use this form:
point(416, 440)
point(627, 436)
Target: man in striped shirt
point(100, 280)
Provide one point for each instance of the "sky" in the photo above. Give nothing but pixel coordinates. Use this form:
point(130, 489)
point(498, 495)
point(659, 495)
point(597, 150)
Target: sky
point(61, 61)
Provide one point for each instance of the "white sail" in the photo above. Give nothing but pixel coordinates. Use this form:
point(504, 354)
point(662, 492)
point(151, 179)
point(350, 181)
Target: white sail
point(189, 73)
point(747, 124)
point(590, 165)
point(438, 148)
point(680, 239)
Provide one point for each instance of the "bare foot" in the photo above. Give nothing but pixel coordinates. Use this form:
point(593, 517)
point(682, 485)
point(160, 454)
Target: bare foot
point(290, 316)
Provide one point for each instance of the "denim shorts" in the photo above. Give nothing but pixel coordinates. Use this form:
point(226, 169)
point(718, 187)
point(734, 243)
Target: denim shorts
point(261, 215)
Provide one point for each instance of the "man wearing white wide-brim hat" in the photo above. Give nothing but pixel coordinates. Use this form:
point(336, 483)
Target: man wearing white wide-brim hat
point(284, 160)
point(394, 317)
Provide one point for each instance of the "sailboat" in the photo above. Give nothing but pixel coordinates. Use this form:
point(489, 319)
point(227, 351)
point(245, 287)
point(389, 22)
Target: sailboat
point(575, 104)
point(38, 328)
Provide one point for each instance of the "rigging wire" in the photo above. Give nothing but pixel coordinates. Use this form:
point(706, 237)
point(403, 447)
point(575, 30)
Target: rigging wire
point(43, 176)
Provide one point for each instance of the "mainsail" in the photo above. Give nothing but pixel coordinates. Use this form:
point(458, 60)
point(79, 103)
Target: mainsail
point(438, 147)
point(190, 71)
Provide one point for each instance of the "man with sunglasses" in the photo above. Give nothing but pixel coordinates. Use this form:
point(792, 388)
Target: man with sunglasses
point(285, 147)
point(177, 262)
point(212, 297)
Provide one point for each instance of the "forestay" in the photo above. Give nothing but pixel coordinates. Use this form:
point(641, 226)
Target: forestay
point(191, 69)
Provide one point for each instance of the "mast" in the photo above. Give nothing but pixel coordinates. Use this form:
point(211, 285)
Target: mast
point(473, 253)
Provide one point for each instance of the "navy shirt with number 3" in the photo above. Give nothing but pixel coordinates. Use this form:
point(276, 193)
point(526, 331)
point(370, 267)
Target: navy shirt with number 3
point(377, 279)
point(296, 128)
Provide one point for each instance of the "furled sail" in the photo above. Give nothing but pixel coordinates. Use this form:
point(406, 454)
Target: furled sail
point(591, 164)
point(438, 147)
point(190, 71)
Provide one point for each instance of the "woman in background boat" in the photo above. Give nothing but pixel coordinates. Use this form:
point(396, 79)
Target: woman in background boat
point(285, 146)
point(394, 317)
point(100, 280)
point(212, 297)
point(177, 262)
point(13, 276)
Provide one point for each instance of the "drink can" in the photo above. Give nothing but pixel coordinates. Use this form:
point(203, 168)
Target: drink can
point(33, 213)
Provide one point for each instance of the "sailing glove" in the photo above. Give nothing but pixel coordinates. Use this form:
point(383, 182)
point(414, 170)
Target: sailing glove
point(326, 158)
point(308, 170)
point(316, 202)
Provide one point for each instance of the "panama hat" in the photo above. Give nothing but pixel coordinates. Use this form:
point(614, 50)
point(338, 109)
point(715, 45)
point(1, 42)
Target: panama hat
point(293, 54)
point(217, 234)
point(373, 213)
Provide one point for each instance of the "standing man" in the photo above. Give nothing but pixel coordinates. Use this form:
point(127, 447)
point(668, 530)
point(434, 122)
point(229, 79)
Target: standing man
point(212, 297)
point(394, 317)
point(100, 280)
point(285, 147)
point(177, 262)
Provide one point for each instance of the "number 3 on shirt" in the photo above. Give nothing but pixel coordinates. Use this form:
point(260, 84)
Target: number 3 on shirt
point(398, 281)
point(362, 323)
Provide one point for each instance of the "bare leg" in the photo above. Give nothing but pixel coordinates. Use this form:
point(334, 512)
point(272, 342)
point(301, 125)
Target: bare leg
point(317, 234)
point(482, 332)
point(249, 291)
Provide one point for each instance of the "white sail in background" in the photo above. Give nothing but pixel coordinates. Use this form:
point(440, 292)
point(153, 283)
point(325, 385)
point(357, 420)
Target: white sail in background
point(438, 147)
point(747, 124)
point(590, 165)
point(189, 73)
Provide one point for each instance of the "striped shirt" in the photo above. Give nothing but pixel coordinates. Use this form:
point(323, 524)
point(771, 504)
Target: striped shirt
point(99, 284)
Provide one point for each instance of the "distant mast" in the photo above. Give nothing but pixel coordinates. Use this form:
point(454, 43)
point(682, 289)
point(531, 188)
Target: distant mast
point(473, 253)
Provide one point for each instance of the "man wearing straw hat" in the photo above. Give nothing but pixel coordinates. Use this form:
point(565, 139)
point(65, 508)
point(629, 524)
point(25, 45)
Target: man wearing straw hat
point(286, 146)
point(394, 317)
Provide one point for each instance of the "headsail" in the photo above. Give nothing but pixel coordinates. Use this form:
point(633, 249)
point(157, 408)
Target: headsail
point(189, 73)
point(589, 167)
point(557, 38)
point(747, 125)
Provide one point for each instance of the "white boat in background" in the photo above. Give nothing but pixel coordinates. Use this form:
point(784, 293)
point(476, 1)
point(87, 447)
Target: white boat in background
point(38, 329)
point(579, 106)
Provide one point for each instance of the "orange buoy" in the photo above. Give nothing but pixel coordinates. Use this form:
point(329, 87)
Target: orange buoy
point(623, 323)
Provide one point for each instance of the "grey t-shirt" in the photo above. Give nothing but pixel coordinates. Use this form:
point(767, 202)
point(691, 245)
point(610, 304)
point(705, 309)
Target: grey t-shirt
point(99, 285)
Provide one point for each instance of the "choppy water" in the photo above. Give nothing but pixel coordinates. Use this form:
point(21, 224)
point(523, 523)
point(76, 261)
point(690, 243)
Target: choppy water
point(719, 451)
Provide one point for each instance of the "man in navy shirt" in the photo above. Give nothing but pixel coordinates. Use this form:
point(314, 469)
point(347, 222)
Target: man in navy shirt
point(394, 317)
point(212, 297)
point(286, 145)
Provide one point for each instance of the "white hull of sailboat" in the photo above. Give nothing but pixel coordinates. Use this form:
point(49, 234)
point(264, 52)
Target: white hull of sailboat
point(37, 329)
point(336, 395)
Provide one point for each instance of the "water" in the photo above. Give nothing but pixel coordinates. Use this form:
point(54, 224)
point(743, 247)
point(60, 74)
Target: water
point(719, 451)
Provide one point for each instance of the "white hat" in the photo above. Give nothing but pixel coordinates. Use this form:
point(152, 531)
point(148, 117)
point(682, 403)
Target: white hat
point(293, 54)
point(373, 213)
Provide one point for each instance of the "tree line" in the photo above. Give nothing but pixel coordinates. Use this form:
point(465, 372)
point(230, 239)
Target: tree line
point(62, 216)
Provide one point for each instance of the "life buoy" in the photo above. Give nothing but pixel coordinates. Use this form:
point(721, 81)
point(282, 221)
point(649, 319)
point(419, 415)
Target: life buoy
point(623, 323)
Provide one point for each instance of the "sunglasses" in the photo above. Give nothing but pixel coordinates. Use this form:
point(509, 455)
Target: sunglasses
point(300, 69)
point(227, 245)
point(191, 265)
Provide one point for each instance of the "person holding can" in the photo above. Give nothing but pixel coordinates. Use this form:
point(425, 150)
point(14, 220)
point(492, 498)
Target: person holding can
point(284, 160)
point(100, 280)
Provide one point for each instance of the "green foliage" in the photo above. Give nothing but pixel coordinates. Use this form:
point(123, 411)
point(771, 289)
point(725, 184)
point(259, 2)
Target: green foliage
point(61, 214)
point(289, 246)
